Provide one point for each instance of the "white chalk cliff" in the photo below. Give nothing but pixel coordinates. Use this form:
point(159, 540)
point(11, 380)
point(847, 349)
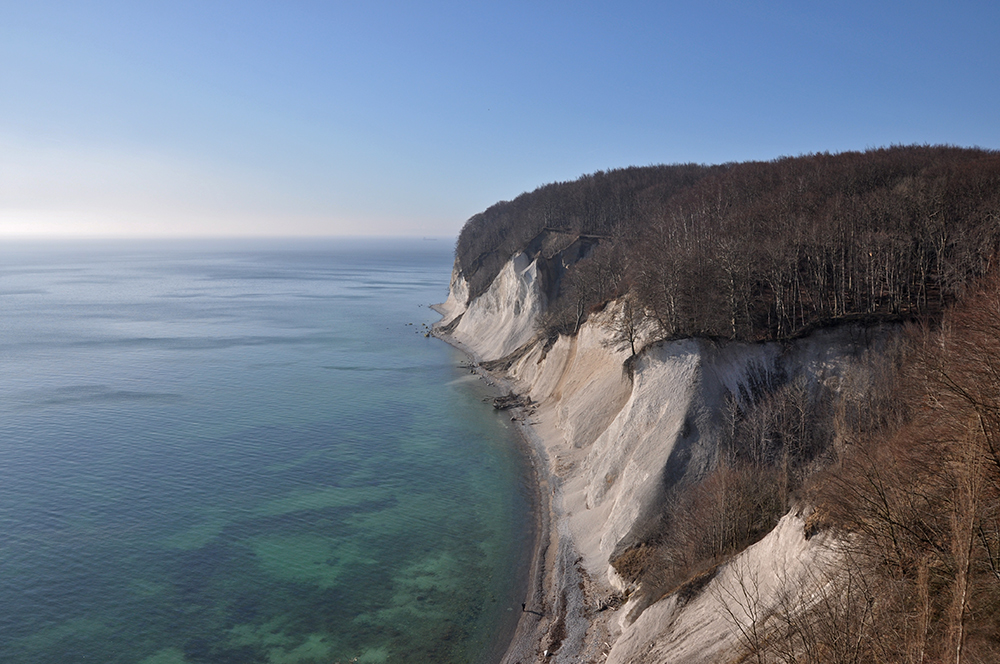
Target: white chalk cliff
point(613, 442)
point(502, 319)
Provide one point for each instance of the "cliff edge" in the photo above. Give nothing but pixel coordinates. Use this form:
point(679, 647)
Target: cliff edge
point(618, 437)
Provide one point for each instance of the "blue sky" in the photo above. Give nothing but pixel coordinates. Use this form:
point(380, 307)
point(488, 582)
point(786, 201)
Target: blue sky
point(327, 118)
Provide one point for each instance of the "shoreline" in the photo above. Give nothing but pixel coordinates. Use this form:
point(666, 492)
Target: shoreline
point(557, 620)
point(530, 629)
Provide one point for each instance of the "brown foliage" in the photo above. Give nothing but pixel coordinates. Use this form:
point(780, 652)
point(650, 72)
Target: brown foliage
point(733, 507)
point(765, 250)
point(918, 501)
point(596, 204)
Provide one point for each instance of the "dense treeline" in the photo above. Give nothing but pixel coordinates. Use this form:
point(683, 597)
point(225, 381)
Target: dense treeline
point(766, 249)
point(601, 204)
point(761, 249)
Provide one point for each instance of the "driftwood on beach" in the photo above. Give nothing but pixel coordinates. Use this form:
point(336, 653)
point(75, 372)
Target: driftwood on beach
point(511, 400)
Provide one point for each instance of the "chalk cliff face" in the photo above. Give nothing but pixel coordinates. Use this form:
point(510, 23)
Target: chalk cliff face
point(502, 319)
point(616, 441)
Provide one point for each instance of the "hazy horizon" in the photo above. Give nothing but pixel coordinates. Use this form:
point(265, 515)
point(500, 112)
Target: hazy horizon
point(262, 119)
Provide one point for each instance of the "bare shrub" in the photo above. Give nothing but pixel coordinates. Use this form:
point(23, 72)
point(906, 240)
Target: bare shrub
point(707, 522)
point(917, 502)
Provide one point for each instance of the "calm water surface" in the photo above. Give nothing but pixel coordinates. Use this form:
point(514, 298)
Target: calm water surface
point(217, 453)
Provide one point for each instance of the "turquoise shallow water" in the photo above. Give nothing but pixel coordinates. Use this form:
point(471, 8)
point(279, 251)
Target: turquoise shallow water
point(218, 453)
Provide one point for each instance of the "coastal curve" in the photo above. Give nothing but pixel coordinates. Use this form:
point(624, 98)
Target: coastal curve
point(610, 435)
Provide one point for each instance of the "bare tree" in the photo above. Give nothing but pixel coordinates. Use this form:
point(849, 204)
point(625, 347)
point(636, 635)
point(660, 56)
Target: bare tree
point(740, 598)
point(624, 326)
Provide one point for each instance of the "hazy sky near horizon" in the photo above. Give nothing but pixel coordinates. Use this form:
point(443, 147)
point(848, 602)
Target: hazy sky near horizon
point(211, 118)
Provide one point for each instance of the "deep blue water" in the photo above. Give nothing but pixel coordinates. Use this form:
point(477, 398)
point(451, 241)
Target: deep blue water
point(250, 452)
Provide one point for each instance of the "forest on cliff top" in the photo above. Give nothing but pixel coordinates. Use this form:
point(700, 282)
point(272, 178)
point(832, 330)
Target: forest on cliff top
point(755, 250)
point(899, 459)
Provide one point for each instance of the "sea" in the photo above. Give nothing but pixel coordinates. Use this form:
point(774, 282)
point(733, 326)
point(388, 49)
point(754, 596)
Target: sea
point(248, 451)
